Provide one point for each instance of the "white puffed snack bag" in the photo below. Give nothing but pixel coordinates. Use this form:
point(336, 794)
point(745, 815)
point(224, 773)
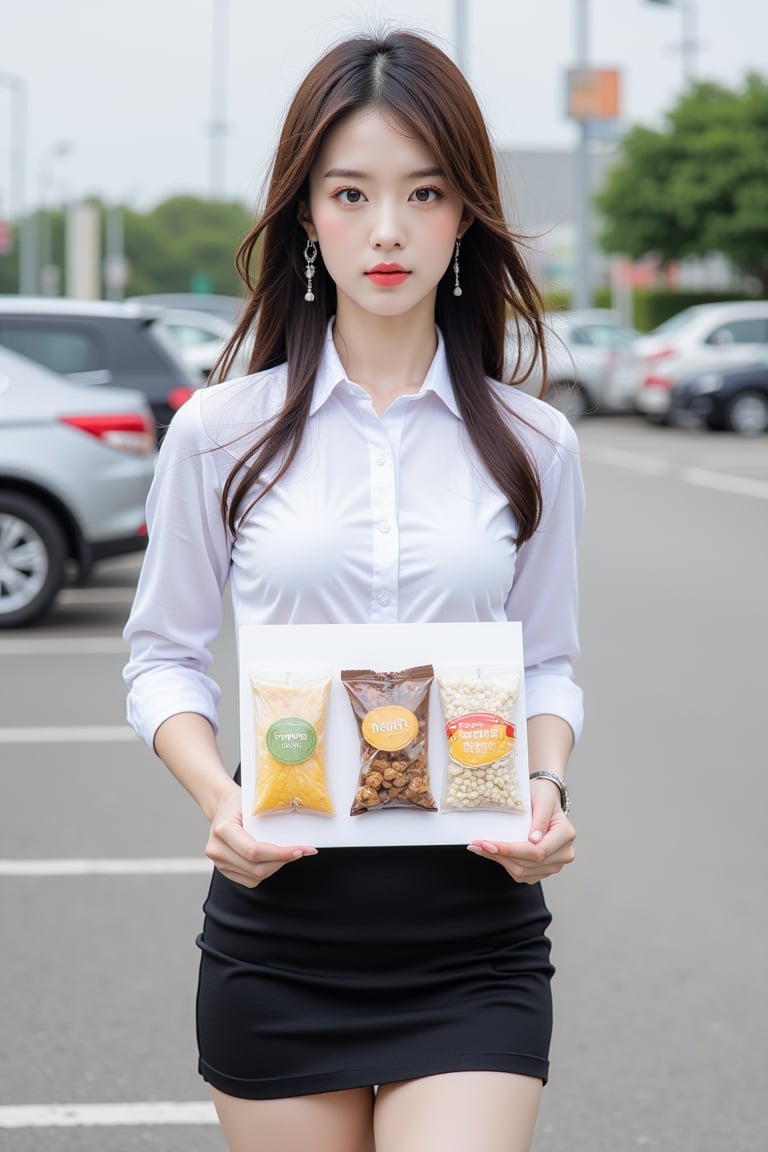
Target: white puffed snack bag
point(479, 704)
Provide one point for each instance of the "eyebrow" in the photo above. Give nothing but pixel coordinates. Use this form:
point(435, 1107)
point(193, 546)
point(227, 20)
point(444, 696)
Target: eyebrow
point(352, 174)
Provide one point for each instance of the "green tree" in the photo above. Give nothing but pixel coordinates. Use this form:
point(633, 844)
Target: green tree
point(182, 240)
point(9, 277)
point(697, 186)
point(176, 245)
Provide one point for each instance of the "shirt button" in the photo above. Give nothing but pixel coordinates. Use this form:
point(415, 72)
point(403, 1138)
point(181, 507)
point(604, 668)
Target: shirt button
point(383, 599)
point(385, 526)
point(381, 460)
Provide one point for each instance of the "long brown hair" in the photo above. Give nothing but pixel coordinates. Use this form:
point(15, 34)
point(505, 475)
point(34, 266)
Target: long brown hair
point(416, 83)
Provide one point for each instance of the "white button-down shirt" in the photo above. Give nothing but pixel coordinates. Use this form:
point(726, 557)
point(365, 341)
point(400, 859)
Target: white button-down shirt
point(380, 519)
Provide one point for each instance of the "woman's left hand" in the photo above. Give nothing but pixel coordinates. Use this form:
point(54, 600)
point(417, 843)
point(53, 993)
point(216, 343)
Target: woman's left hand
point(549, 846)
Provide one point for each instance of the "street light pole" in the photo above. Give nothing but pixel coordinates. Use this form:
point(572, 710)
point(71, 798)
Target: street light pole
point(18, 169)
point(582, 293)
point(460, 33)
point(47, 271)
point(689, 43)
point(218, 128)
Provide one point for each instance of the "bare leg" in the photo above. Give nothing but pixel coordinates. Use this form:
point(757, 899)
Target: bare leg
point(327, 1122)
point(494, 1111)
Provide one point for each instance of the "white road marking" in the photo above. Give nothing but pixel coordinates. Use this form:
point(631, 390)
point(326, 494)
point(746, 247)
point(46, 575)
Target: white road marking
point(96, 596)
point(107, 1115)
point(62, 646)
point(741, 485)
point(654, 466)
point(147, 866)
point(621, 458)
point(92, 734)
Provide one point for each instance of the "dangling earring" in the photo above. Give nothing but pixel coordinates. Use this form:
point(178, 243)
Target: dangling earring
point(310, 255)
point(456, 286)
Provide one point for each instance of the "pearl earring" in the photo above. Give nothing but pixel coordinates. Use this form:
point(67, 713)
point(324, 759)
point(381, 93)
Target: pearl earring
point(456, 286)
point(310, 255)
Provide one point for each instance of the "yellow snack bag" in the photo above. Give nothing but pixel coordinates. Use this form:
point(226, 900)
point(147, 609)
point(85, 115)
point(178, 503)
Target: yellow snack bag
point(290, 721)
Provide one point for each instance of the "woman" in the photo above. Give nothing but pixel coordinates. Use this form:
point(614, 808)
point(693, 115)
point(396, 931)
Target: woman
point(372, 468)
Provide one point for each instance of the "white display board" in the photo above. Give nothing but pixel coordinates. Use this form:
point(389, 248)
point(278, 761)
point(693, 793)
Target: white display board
point(277, 652)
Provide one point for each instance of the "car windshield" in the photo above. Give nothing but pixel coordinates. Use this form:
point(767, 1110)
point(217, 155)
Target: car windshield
point(160, 334)
point(608, 335)
point(674, 323)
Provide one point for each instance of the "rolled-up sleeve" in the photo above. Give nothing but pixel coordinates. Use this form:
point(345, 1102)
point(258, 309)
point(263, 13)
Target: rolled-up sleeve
point(178, 609)
point(545, 591)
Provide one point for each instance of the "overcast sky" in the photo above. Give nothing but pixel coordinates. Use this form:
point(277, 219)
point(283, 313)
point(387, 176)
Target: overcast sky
point(120, 93)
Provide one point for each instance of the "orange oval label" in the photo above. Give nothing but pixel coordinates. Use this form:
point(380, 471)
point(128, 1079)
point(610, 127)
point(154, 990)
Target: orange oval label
point(478, 738)
point(390, 727)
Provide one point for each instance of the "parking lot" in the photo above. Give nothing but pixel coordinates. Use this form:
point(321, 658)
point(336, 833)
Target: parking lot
point(660, 926)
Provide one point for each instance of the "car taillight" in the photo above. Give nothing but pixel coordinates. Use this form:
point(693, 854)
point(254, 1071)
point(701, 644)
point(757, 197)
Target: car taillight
point(653, 379)
point(662, 354)
point(178, 396)
point(129, 432)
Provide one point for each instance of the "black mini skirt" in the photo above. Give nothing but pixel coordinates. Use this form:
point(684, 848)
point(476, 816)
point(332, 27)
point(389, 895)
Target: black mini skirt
point(364, 966)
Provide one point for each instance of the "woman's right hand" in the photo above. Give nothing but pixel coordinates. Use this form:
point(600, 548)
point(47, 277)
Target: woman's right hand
point(235, 852)
point(186, 743)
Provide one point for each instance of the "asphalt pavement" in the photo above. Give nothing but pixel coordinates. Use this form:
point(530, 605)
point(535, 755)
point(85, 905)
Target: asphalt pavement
point(660, 927)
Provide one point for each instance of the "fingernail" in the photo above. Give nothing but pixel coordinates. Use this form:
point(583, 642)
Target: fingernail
point(304, 852)
point(474, 848)
point(535, 836)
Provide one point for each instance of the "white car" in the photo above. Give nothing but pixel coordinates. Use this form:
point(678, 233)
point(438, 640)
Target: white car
point(582, 352)
point(199, 337)
point(697, 339)
point(76, 464)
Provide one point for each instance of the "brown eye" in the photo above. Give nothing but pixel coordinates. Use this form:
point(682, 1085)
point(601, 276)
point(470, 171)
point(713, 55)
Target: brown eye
point(425, 195)
point(350, 196)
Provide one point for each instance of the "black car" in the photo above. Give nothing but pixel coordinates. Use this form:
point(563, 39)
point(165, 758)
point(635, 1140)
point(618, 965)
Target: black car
point(99, 342)
point(733, 398)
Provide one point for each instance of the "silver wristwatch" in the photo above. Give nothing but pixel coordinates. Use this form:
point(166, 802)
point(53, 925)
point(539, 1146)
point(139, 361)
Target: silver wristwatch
point(565, 799)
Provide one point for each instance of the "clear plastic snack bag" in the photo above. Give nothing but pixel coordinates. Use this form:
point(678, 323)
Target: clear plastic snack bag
point(392, 712)
point(478, 704)
point(290, 731)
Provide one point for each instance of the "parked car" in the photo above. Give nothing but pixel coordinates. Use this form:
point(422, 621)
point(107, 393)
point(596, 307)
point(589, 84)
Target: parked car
point(732, 397)
point(694, 340)
point(200, 338)
point(582, 351)
point(98, 342)
point(225, 307)
point(75, 469)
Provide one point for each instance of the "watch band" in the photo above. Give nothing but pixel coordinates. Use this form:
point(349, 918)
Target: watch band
point(565, 799)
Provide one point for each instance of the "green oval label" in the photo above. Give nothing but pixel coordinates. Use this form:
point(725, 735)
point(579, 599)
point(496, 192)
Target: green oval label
point(291, 741)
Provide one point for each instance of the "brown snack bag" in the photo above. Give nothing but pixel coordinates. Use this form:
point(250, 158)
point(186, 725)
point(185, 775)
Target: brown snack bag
point(290, 719)
point(392, 712)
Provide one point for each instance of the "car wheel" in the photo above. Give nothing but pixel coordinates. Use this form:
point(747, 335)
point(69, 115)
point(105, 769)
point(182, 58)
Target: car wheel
point(569, 398)
point(32, 559)
point(748, 414)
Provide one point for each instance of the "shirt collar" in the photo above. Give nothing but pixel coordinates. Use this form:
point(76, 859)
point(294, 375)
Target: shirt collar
point(330, 374)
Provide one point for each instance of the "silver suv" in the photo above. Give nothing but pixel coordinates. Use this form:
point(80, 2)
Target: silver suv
point(99, 342)
point(75, 468)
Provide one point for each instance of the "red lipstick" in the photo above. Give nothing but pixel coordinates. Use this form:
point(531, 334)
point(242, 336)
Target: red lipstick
point(387, 275)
